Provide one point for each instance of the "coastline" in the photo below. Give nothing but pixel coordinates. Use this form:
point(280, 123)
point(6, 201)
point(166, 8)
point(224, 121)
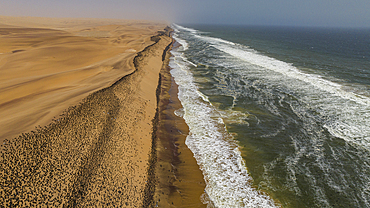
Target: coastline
point(97, 153)
point(179, 181)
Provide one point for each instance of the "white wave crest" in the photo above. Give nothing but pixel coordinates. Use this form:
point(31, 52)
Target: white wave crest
point(184, 28)
point(228, 182)
point(347, 113)
point(214, 40)
point(291, 71)
point(183, 43)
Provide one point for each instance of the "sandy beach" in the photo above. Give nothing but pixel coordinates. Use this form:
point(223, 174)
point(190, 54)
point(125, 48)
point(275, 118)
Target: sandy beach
point(180, 182)
point(91, 87)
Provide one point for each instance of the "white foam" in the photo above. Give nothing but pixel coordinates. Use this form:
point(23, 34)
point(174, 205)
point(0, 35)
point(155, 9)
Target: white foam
point(291, 71)
point(184, 28)
point(191, 63)
point(179, 112)
point(233, 117)
point(228, 182)
point(344, 112)
point(347, 113)
point(183, 43)
point(214, 40)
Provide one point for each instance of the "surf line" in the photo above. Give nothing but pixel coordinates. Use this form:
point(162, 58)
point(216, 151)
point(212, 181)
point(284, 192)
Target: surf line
point(228, 182)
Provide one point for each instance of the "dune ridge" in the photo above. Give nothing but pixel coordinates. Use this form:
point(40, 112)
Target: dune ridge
point(98, 152)
point(49, 64)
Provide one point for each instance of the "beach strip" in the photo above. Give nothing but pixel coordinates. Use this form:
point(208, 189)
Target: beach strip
point(180, 182)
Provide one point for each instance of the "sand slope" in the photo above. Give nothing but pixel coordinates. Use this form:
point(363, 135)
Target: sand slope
point(47, 65)
point(97, 153)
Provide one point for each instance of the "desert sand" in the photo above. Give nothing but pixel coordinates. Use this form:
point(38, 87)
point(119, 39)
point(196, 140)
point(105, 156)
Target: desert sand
point(101, 96)
point(97, 152)
point(49, 64)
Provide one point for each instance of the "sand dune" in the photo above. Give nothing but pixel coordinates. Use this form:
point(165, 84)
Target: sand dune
point(99, 152)
point(102, 97)
point(47, 65)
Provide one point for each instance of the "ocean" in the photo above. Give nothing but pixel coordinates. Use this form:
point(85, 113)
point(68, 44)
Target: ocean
point(278, 116)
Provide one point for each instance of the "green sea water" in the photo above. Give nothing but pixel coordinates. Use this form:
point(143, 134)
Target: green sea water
point(278, 116)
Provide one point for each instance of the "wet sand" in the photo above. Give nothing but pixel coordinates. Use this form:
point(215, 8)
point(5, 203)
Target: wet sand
point(180, 182)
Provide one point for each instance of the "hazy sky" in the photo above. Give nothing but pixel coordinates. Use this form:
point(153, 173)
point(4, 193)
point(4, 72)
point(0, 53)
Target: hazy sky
point(335, 13)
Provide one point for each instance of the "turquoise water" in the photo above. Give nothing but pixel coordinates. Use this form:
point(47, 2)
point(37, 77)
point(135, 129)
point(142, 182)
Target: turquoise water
point(277, 116)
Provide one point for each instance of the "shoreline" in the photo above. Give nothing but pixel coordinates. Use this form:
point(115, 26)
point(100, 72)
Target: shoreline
point(97, 152)
point(180, 182)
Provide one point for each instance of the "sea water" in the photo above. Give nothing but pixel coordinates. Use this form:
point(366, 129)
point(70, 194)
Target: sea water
point(277, 116)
